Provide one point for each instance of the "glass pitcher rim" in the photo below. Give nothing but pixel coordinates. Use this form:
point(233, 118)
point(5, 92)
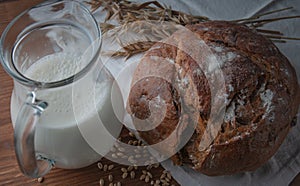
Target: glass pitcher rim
point(16, 75)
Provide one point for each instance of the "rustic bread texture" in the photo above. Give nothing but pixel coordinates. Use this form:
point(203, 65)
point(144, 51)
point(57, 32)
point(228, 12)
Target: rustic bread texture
point(261, 97)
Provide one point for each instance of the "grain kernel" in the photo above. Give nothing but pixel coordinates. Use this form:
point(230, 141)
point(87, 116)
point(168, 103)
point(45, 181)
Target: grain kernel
point(123, 169)
point(114, 156)
point(100, 166)
point(105, 168)
point(110, 178)
point(124, 175)
point(132, 174)
point(121, 149)
point(40, 179)
point(129, 168)
point(147, 179)
point(120, 154)
point(101, 182)
point(156, 165)
point(110, 167)
point(169, 175)
point(131, 159)
point(143, 177)
point(113, 149)
point(149, 167)
point(149, 174)
point(163, 181)
point(119, 184)
point(130, 142)
point(131, 134)
point(138, 155)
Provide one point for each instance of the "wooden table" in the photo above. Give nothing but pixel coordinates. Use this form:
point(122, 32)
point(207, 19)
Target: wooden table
point(9, 171)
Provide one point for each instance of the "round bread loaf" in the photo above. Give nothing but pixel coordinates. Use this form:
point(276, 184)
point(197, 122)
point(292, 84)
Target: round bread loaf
point(260, 98)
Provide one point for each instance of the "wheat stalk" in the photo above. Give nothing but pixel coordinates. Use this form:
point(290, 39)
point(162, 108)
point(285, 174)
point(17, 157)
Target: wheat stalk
point(127, 12)
point(132, 49)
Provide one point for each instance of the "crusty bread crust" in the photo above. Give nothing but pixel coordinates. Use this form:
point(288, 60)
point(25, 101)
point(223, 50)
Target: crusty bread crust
point(261, 98)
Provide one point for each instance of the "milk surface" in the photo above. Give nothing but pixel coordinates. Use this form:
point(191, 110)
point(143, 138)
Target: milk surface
point(54, 67)
point(60, 111)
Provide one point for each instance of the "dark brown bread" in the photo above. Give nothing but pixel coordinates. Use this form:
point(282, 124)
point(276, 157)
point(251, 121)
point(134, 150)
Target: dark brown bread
point(261, 97)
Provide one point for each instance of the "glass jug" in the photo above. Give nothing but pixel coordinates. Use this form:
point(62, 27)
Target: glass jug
point(62, 92)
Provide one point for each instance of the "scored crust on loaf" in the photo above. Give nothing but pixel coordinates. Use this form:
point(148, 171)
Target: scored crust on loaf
point(261, 98)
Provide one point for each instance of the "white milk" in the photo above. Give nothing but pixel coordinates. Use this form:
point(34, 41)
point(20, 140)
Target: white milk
point(70, 108)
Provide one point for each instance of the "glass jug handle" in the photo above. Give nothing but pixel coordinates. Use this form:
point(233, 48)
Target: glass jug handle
point(30, 164)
